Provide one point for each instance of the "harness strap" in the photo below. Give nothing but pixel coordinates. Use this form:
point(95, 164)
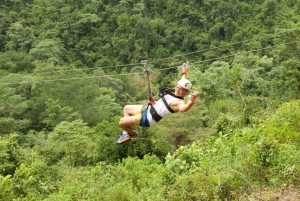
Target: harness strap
point(154, 114)
point(167, 91)
point(167, 105)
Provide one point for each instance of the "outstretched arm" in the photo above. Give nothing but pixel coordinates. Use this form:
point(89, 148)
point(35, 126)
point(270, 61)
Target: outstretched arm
point(185, 69)
point(185, 107)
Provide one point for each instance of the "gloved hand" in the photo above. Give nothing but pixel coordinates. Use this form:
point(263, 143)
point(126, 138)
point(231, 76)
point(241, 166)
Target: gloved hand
point(185, 68)
point(192, 98)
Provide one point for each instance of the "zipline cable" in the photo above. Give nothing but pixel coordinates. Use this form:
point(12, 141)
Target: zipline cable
point(236, 43)
point(126, 74)
point(157, 60)
point(71, 70)
point(246, 52)
point(72, 78)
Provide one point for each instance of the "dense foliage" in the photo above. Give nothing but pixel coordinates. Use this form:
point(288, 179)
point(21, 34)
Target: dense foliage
point(67, 68)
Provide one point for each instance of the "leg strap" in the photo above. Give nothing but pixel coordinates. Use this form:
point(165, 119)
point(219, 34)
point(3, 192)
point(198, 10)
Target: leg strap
point(144, 118)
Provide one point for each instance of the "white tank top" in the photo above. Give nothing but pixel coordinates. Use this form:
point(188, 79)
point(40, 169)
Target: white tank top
point(160, 108)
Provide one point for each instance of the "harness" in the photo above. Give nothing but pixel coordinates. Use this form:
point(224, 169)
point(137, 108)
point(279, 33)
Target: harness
point(162, 92)
point(154, 114)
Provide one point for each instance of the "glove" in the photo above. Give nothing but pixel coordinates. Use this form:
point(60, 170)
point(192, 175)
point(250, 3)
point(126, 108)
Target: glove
point(192, 98)
point(185, 68)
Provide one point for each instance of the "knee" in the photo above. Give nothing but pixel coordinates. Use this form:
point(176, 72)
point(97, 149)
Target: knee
point(121, 122)
point(126, 109)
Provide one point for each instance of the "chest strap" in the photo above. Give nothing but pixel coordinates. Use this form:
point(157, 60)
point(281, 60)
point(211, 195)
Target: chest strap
point(167, 105)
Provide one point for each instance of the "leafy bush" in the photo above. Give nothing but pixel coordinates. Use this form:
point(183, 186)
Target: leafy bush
point(218, 166)
point(10, 154)
point(223, 167)
point(34, 180)
point(5, 191)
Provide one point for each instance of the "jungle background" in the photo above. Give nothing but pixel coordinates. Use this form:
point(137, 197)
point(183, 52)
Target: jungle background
point(67, 69)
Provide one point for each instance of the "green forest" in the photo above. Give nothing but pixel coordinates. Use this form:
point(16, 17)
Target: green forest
point(67, 69)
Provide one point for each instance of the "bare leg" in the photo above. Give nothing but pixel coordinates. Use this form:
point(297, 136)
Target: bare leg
point(127, 121)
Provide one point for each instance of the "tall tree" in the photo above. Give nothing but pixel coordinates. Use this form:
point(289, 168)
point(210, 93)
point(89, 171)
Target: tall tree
point(49, 50)
point(20, 38)
point(12, 109)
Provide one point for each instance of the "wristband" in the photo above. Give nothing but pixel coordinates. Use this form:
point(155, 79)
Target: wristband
point(184, 71)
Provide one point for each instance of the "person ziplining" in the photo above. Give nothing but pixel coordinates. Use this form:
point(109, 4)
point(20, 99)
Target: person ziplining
point(171, 101)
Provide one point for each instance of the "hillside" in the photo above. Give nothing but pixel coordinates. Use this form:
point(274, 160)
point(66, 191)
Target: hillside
point(67, 69)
